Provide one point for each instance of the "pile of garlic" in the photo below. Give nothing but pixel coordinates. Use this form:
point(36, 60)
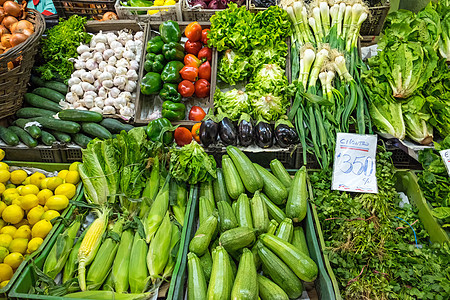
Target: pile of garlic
point(106, 74)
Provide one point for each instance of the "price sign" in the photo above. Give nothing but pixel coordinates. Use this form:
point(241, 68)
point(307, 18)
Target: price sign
point(446, 158)
point(354, 163)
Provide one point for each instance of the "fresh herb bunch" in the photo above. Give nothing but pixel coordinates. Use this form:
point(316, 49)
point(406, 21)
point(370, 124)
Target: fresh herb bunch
point(371, 251)
point(60, 45)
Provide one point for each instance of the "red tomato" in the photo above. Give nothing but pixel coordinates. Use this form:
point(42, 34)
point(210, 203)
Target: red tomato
point(205, 53)
point(196, 113)
point(191, 60)
point(204, 71)
point(189, 73)
point(183, 136)
point(202, 88)
point(193, 32)
point(205, 36)
point(192, 47)
point(186, 88)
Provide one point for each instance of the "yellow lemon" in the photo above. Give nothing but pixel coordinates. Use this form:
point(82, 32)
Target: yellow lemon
point(2, 207)
point(10, 191)
point(27, 181)
point(19, 188)
point(9, 230)
point(41, 229)
point(4, 166)
point(43, 196)
point(6, 272)
point(18, 245)
point(29, 201)
point(34, 244)
point(4, 176)
point(29, 189)
point(2, 154)
point(10, 197)
point(17, 200)
point(3, 253)
point(44, 183)
point(14, 260)
point(74, 166)
point(66, 189)
point(63, 173)
point(73, 177)
point(21, 223)
point(35, 214)
point(54, 182)
point(36, 178)
point(2, 188)
point(13, 214)
point(2, 223)
point(4, 283)
point(24, 232)
point(57, 202)
point(50, 215)
point(18, 176)
point(5, 240)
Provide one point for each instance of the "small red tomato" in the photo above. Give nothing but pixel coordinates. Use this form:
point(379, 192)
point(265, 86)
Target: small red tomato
point(204, 71)
point(192, 47)
point(192, 60)
point(205, 53)
point(186, 88)
point(196, 113)
point(205, 36)
point(189, 73)
point(193, 32)
point(202, 88)
point(183, 136)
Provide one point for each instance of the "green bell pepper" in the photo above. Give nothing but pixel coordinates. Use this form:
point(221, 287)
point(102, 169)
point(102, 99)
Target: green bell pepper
point(173, 51)
point(173, 111)
point(160, 130)
point(171, 72)
point(151, 84)
point(155, 45)
point(169, 92)
point(170, 31)
point(154, 62)
point(139, 3)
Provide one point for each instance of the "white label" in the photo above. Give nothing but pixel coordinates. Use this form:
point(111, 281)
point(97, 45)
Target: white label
point(446, 158)
point(354, 163)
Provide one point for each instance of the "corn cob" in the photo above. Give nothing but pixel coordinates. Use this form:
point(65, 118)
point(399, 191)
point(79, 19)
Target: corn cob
point(179, 209)
point(108, 284)
point(159, 249)
point(72, 262)
point(151, 188)
point(121, 262)
point(104, 259)
point(90, 244)
point(138, 273)
point(174, 239)
point(61, 249)
point(108, 295)
point(157, 212)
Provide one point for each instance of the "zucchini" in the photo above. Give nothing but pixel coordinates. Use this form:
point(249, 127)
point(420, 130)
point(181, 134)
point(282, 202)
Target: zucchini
point(274, 211)
point(273, 226)
point(259, 213)
point(197, 287)
point(220, 189)
point(273, 188)
point(61, 136)
point(280, 172)
point(203, 236)
point(9, 137)
point(286, 230)
point(58, 125)
point(280, 272)
point(246, 283)
point(49, 94)
point(47, 138)
point(206, 208)
point(32, 112)
point(40, 102)
point(115, 126)
point(269, 290)
point(206, 264)
point(81, 139)
point(24, 136)
point(96, 130)
point(296, 205)
point(227, 219)
point(221, 281)
point(54, 85)
point(206, 190)
point(243, 212)
point(249, 175)
point(237, 238)
point(29, 127)
point(299, 240)
point(77, 115)
point(301, 264)
point(233, 181)
point(234, 207)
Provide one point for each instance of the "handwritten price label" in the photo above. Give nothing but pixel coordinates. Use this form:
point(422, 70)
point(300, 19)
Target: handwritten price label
point(446, 158)
point(354, 163)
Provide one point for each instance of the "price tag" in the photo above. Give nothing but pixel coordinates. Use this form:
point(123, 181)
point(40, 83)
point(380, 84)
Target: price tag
point(354, 163)
point(446, 158)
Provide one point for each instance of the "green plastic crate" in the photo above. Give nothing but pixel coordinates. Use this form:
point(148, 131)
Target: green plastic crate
point(50, 167)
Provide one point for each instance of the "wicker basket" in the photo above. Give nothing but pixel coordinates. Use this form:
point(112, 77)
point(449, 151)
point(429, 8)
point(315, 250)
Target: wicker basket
point(13, 83)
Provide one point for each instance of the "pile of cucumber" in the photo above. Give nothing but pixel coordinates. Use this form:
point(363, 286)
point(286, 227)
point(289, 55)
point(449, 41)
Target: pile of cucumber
point(249, 221)
point(44, 120)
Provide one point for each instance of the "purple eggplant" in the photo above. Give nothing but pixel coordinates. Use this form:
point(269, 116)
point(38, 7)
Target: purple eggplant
point(263, 134)
point(227, 131)
point(246, 131)
point(208, 131)
point(285, 133)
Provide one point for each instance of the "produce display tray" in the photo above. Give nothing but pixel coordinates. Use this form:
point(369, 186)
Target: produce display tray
point(87, 8)
point(41, 153)
point(197, 14)
point(169, 12)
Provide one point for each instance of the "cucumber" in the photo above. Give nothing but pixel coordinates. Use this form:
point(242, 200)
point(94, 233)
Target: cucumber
point(9, 137)
point(47, 138)
point(77, 115)
point(197, 287)
point(234, 207)
point(301, 264)
point(227, 219)
point(206, 190)
point(81, 139)
point(206, 208)
point(273, 188)
point(49, 94)
point(243, 212)
point(299, 240)
point(280, 272)
point(54, 85)
point(32, 112)
point(221, 281)
point(280, 172)
point(24, 136)
point(206, 263)
point(115, 126)
point(41, 102)
point(220, 189)
point(296, 205)
point(233, 181)
point(246, 283)
point(274, 211)
point(286, 230)
point(269, 290)
point(96, 130)
point(58, 125)
point(28, 126)
point(259, 213)
point(237, 238)
point(203, 236)
point(61, 136)
point(273, 226)
point(249, 175)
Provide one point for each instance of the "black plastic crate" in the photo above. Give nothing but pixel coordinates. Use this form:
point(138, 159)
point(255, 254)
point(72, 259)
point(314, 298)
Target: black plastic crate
point(38, 154)
point(71, 154)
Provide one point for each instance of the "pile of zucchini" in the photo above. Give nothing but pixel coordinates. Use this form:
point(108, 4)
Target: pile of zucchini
point(249, 221)
point(44, 120)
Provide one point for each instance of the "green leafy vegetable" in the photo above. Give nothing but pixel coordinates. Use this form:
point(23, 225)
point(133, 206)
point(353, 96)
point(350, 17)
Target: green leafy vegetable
point(232, 103)
point(417, 114)
point(233, 67)
point(275, 54)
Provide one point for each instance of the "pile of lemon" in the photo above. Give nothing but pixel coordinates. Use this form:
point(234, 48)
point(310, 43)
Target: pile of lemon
point(29, 203)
